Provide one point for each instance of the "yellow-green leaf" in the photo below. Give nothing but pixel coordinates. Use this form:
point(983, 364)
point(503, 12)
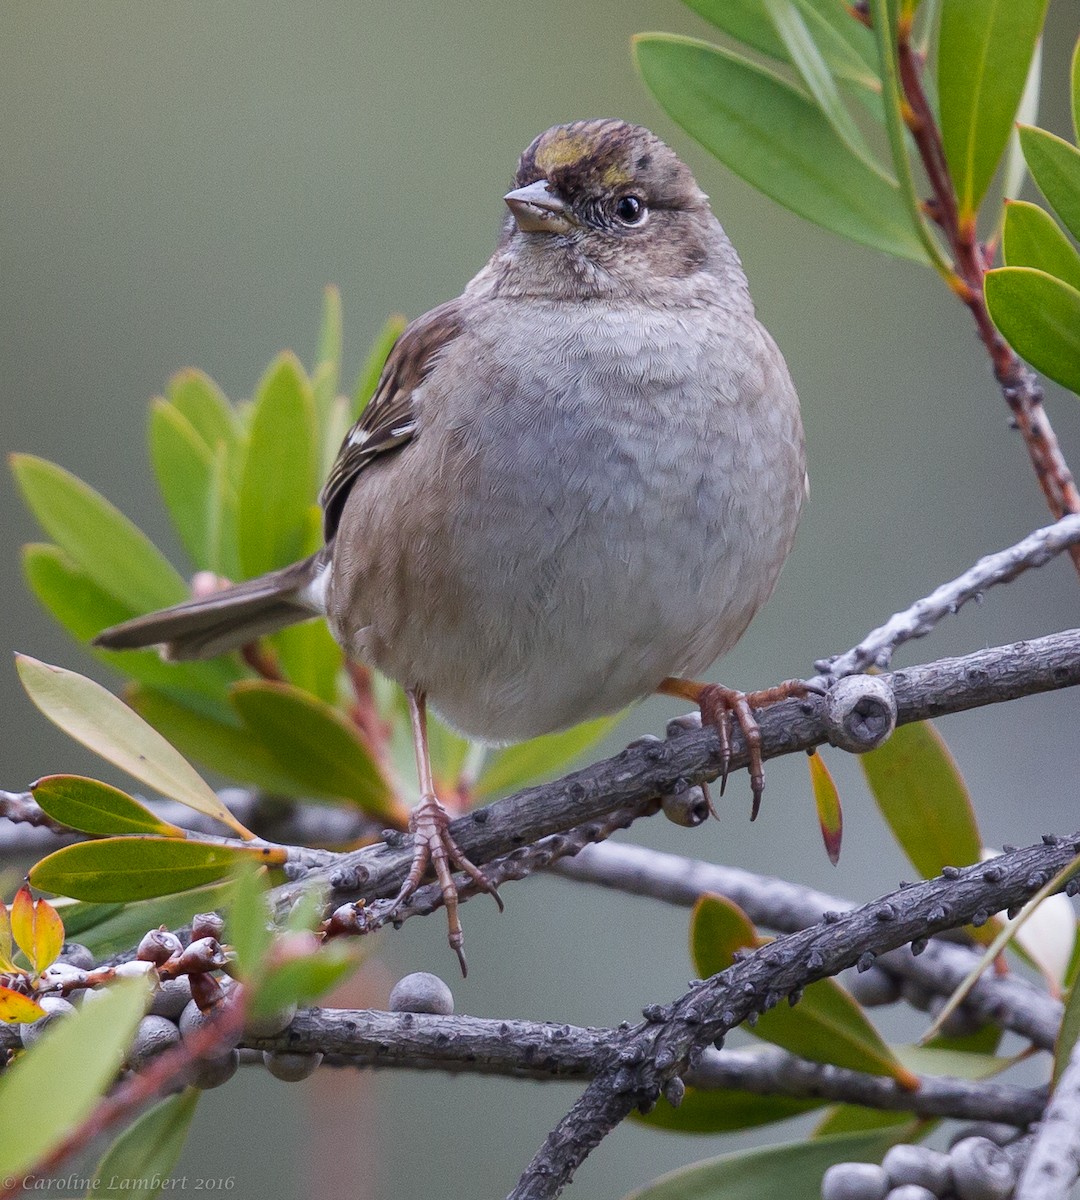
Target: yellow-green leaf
point(17, 1009)
point(314, 743)
point(303, 980)
point(278, 483)
point(827, 802)
point(541, 758)
point(327, 373)
point(94, 807)
point(61, 1078)
point(248, 928)
point(1032, 238)
point(368, 379)
point(97, 537)
point(7, 942)
point(1068, 1033)
point(924, 799)
point(723, 1110)
point(138, 868)
point(199, 399)
point(1055, 167)
point(1039, 316)
point(718, 928)
point(984, 51)
point(777, 139)
point(92, 715)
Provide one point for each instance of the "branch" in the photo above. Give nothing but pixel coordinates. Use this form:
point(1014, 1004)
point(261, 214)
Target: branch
point(674, 1037)
point(1053, 1165)
point(635, 779)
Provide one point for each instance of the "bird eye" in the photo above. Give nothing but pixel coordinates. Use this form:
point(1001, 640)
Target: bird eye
point(631, 210)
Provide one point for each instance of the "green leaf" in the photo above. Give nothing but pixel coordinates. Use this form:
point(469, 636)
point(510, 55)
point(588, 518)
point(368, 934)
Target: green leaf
point(1068, 1033)
point(222, 534)
point(310, 658)
point(97, 537)
point(793, 1171)
point(1055, 167)
point(854, 1118)
point(448, 752)
point(1015, 169)
point(314, 743)
point(328, 356)
point(1039, 316)
point(937, 1060)
point(97, 808)
point(1032, 238)
point(248, 926)
point(923, 798)
point(723, 1110)
point(368, 380)
point(827, 802)
point(302, 980)
point(58, 1082)
point(719, 927)
point(85, 711)
point(201, 507)
point(108, 929)
point(984, 51)
point(126, 868)
point(541, 758)
point(815, 74)
point(219, 746)
point(278, 483)
point(84, 609)
point(777, 139)
point(745, 21)
point(141, 1160)
point(1075, 79)
point(198, 398)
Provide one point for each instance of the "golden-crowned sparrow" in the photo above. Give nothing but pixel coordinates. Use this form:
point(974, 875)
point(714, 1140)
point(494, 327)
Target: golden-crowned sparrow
point(574, 486)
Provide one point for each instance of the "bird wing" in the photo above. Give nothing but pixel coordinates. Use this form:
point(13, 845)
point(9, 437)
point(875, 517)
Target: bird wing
point(390, 419)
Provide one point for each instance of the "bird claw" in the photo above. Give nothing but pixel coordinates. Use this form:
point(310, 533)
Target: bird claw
point(434, 847)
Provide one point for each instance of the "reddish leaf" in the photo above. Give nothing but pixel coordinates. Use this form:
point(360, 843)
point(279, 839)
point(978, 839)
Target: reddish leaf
point(827, 800)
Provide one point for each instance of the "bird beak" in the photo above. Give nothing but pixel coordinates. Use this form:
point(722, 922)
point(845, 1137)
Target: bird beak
point(537, 209)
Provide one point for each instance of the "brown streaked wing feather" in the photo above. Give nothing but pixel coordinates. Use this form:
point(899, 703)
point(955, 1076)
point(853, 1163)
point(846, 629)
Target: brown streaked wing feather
point(389, 420)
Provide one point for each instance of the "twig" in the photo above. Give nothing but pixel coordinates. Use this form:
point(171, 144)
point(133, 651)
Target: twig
point(878, 647)
point(1053, 1165)
point(673, 1038)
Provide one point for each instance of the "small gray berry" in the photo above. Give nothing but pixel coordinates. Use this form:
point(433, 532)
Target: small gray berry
point(854, 1181)
point(422, 992)
point(911, 1191)
point(270, 1025)
point(75, 954)
point(153, 1035)
point(55, 1007)
point(981, 1170)
point(873, 987)
point(290, 1068)
point(171, 997)
point(213, 1072)
point(918, 1165)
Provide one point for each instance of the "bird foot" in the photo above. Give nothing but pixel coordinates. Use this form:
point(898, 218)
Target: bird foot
point(433, 847)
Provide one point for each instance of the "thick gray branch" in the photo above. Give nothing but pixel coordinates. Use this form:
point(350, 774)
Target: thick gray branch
point(1053, 1164)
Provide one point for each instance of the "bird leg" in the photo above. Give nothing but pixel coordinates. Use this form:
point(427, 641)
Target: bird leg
point(719, 704)
point(433, 847)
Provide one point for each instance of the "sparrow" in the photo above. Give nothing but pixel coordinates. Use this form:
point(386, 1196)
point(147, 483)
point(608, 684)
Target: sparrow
point(574, 485)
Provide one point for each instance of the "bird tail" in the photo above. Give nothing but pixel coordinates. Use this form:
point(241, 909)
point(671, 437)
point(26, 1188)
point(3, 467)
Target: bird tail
point(227, 619)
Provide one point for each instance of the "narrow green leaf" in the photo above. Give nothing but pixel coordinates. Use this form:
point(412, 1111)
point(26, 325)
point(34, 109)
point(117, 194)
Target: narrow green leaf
point(448, 751)
point(723, 1110)
point(95, 807)
point(61, 1078)
point(1075, 80)
point(924, 799)
point(227, 748)
point(248, 927)
point(222, 517)
point(368, 379)
point(1055, 167)
point(93, 716)
point(314, 743)
point(793, 1170)
point(184, 466)
point(127, 868)
point(815, 73)
point(1015, 169)
point(278, 483)
point(854, 1118)
point(718, 928)
point(310, 658)
point(745, 21)
point(827, 802)
point(984, 51)
point(97, 537)
point(777, 139)
point(541, 758)
point(302, 980)
point(938, 1060)
point(1068, 1033)
point(328, 356)
point(1039, 316)
point(7, 941)
point(198, 398)
point(1032, 238)
point(84, 609)
point(108, 929)
point(141, 1160)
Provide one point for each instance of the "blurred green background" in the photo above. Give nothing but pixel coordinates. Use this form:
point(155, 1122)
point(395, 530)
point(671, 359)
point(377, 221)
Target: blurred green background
point(177, 185)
